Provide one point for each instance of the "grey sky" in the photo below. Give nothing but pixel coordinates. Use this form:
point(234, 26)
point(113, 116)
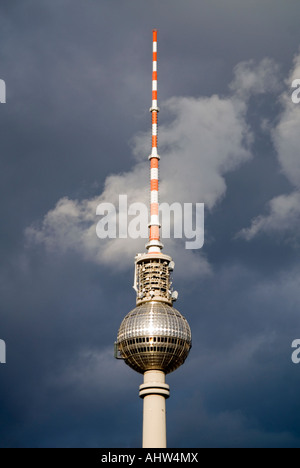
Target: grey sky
point(75, 128)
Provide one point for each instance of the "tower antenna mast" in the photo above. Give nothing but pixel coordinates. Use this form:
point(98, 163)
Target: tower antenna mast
point(154, 245)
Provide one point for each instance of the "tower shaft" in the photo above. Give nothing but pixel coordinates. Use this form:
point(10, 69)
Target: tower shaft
point(154, 392)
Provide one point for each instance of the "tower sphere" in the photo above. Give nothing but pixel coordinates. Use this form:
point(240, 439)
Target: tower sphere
point(154, 336)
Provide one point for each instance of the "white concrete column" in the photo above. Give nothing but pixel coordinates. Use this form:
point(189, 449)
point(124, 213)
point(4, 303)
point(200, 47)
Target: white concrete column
point(154, 391)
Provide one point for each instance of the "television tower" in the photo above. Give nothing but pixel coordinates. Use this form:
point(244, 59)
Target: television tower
point(154, 339)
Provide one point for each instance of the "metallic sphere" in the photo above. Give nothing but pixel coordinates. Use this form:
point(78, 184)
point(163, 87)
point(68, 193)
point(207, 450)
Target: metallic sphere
point(154, 336)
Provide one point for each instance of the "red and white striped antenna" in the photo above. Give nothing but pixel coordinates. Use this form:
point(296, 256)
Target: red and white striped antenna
point(154, 245)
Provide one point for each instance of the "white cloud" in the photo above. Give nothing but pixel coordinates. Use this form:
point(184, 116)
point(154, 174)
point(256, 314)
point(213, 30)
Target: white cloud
point(283, 218)
point(284, 211)
point(252, 78)
point(286, 135)
point(205, 139)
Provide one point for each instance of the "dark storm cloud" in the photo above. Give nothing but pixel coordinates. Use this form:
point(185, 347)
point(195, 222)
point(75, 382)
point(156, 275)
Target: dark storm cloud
point(78, 89)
